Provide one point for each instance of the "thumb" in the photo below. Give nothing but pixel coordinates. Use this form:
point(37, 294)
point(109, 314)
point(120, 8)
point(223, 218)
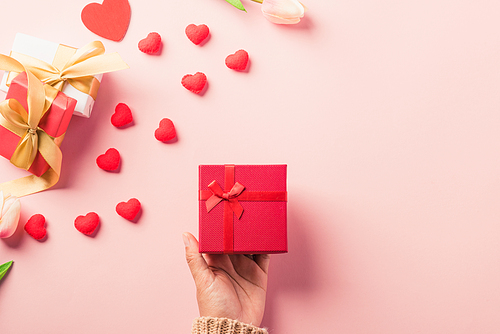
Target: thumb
point(196, 262)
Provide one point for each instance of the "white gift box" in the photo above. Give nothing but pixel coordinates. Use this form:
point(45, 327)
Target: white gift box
point(46, 51)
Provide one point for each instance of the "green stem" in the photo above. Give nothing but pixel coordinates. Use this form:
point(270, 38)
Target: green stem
point(259, 1)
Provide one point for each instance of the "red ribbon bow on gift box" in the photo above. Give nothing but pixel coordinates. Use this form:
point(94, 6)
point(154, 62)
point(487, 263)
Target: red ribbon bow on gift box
point(235, 192)
point(230, 196)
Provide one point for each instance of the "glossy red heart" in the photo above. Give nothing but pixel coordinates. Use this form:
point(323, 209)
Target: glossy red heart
point(197, 33)
point(129, 209)
point(194, 82)
point(166, 130)
point(109, 19)
point(237, 61)
point(87, 224)
point(151, 44)
point(36, 227)
point(122, 115)
point(110, 160)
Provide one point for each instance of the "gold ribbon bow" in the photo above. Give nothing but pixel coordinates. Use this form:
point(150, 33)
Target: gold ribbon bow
point(33, 139)
point(78, 71)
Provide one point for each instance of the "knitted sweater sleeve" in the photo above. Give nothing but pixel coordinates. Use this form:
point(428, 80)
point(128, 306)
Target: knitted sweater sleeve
point(209, 325)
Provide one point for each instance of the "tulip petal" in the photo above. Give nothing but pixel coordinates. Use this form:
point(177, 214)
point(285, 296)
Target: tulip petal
point(1, 203)
point(279, 20)
point(283, 11)
point(9, 215)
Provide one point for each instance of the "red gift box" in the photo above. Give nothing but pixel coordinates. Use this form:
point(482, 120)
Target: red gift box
point(54, 122)
point(243, 209)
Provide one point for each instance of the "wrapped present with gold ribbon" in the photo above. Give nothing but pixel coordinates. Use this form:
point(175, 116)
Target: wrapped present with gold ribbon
point(75, 72)
point(33, 120)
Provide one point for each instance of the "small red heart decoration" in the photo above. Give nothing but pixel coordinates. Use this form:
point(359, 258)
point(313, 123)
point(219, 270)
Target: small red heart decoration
point(129, 209)
point(122, 115)
point(110, 160)
point(194, 83)
point(36, 227)
point(166, 131)
point(197, 34)
point(237, 61)
point(109, 20)
point(87, 224)
point(151, 44)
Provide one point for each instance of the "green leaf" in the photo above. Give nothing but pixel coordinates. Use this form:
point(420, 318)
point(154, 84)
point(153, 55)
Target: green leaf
point(237, 4)
point(4, 267)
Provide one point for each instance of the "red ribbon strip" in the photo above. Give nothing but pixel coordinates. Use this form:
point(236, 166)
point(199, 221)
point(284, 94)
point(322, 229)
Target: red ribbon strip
point(232, 194)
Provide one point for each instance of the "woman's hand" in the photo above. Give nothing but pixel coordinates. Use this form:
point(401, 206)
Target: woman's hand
point(228, 286)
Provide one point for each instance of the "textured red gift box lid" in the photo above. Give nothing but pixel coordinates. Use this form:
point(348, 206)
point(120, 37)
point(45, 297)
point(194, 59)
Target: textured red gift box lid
point(54, 122)
point(262, 228)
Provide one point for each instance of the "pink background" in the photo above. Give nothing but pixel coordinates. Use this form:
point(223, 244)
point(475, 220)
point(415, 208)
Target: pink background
point(387, 114)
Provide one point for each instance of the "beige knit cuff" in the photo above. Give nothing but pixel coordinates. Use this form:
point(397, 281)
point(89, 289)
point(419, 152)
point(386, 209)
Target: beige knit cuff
point(209, 325)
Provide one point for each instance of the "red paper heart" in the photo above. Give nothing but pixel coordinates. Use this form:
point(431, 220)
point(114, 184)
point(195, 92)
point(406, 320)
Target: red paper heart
point(150, 44)
point(166, 131)
point(122, 115)
point(36, 227)
point(194, 83)
point(109, 20)
point(129, 209)
point(197, 34)
point(237, 61)
point(109, 160)
point(87, 224)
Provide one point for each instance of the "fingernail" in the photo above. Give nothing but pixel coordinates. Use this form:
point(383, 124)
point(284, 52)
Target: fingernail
point(185, 239)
